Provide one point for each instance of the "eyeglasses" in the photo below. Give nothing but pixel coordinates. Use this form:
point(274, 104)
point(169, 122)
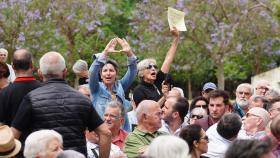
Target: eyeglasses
point(204, 106)
point(248, 115)
point(278, 109)
point(111, 116)
point(196, 116)
point(205, 138)
point(150, 66)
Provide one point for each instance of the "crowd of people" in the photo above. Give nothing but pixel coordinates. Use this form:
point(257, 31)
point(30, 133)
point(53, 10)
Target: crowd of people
point(95, 119)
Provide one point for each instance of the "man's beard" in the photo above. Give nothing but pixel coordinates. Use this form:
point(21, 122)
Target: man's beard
point(243, 103)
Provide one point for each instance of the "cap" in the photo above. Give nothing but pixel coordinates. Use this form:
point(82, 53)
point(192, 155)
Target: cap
point(209, 85)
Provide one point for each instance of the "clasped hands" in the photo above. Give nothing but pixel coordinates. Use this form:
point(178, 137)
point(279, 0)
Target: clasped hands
point(110, 48)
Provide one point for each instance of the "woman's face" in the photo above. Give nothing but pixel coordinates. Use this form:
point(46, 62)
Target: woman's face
point(150, 73)
point(203, 142)
point(108, 74)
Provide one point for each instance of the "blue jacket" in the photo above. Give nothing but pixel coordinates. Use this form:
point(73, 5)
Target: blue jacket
point(99, 92)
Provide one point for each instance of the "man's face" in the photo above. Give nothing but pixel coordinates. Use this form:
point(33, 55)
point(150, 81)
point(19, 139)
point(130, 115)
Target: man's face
point(153, 117)
point(251, 123)
point(243, 94)
point(275, 110)
point(167, 110)
point(3, 57)
point(113, 118)
point(261, 89)
point(217, 107)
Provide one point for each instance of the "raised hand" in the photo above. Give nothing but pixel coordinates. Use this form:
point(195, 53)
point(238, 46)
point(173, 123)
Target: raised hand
point(110, 48)
point(125, 46)
point(175, 32)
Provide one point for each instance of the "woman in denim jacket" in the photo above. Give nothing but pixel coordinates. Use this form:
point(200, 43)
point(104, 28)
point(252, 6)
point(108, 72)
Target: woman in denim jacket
point(109, 88)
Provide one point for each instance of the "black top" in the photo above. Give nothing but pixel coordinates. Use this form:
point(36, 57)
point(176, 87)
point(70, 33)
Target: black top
point(11, 97)
point(83, 80)
point(58, 106)
point(148, 91)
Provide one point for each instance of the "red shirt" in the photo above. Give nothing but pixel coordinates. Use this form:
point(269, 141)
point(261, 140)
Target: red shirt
point(120, 139)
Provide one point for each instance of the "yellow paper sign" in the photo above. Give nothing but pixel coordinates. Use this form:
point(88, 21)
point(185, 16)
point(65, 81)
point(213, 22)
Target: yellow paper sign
point(176, 19)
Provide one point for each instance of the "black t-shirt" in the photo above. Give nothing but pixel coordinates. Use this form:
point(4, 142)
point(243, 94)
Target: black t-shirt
point(11, 97)
point(147, 91)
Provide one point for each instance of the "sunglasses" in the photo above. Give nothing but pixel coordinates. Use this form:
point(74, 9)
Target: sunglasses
point(196, 116)
point(205, 138)
point(202, 106)
point(151, 66)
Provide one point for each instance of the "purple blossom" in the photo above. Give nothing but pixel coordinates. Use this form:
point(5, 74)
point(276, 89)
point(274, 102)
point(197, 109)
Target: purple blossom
point(39, 33)
point(3, 5)
point(37, 14)
point(90, 26)
point(277, 52)
point(243, 2)
point(21, 37)
point(238, 47)
point(98, 22)
point(76, 30)
point(70, 17)
point(102, 8)
point(81, 22)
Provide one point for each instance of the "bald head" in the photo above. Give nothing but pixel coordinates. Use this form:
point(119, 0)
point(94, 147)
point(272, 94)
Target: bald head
point(52, 65)
point(145, 106)
point(22, 60)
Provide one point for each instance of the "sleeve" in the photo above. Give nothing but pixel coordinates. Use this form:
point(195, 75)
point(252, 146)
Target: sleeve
point(94, 119)
point(160, 78)
point(138, 95)
point(23, 116)
point(132, 146)
point(94, 72)
point(130, 74)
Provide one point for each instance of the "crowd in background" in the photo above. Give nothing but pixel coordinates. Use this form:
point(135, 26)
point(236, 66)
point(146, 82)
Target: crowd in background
point(49, 118)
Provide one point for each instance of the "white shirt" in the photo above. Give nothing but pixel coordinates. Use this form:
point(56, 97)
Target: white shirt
point(12, 76)
point(132, 118)
point(165, 128)
point(217, 145)
point(114, 149)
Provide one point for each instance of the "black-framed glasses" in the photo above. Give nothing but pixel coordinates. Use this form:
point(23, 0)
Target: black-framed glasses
point(196, 116)
point(204, 106)
point(151, 66)
point(205, 138)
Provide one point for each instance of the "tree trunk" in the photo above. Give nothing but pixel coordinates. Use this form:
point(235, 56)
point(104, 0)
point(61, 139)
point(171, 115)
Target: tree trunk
point(189, 89)
point(220, 75)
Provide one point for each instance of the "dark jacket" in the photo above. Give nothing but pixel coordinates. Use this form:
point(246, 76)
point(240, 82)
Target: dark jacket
point(59, 107)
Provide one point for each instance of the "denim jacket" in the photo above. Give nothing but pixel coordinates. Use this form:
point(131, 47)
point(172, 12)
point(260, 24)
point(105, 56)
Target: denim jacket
point(99, 93)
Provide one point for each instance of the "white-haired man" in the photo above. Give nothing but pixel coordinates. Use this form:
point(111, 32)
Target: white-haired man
point(243, 93)
point(3, 58)
point(262, 87)
point(148, 115)
point(254, 124)
point(58, 106)
point(43, 143)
